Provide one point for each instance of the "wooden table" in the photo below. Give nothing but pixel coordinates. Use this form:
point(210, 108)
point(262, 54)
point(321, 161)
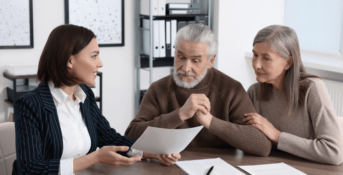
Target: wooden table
point(231, 156)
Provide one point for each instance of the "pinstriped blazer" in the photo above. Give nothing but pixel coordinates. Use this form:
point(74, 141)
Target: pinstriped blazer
point(39, 144)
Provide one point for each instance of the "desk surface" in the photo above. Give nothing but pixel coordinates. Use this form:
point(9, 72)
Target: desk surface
point(231, 156)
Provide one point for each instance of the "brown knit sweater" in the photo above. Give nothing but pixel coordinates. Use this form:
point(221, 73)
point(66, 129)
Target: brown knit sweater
point(229, 103)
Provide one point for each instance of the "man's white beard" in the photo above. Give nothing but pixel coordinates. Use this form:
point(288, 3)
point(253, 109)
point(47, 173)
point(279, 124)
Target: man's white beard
point(183, 83)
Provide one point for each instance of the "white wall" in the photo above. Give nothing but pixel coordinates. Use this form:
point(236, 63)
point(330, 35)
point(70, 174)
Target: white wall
point(118, 70)
point(235, 23)
point(238, 23)
point(46, 16)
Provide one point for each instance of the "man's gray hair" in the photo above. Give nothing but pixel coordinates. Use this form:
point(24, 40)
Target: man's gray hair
point(199, 33)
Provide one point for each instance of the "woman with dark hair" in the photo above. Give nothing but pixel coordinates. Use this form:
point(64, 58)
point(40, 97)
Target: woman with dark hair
point(293, 107)
point(59, 125)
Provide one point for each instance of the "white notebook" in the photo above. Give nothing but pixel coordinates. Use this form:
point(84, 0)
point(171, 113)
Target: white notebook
point(201, 167)
point(271, 169)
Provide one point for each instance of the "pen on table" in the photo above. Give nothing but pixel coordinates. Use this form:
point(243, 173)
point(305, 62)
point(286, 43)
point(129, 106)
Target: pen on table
point(209, 171)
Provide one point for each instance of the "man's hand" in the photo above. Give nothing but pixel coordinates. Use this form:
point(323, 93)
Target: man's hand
point(195, 103)
point(204, 120)
point(108, 155)
point(169, 159)
point(166, 159)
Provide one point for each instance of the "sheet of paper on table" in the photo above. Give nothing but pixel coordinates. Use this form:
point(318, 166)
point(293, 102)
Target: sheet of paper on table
point(201, 167)
point(165, 141)
point(271, 169)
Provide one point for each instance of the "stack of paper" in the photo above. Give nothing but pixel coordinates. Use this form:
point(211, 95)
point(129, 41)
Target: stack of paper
point(201, 167)
point(271, 169)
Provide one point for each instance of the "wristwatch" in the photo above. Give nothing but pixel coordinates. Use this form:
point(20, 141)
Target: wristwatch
point(134, 152)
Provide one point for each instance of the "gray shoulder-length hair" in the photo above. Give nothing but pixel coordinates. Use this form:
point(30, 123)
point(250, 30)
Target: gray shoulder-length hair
point(284, 41)
point(199, 33)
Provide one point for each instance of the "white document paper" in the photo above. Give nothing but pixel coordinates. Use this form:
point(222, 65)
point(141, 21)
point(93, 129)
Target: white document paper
point(271, 169)
point(165, 141)
point(201, 167)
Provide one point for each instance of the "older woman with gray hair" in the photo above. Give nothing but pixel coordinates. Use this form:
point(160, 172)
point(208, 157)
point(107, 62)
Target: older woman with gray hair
point(293, 107)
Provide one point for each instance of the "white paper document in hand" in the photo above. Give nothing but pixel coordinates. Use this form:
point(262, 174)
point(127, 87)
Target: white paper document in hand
point(271, 169)
point(201, 167)
point(165, 141)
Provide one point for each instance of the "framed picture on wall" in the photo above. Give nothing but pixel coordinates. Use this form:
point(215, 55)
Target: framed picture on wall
point(104, 17)
point(16, 24)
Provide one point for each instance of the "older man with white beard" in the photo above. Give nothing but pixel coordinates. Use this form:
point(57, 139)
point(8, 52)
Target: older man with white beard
point(198, 94)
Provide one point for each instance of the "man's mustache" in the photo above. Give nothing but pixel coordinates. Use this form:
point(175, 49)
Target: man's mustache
point(181, 72)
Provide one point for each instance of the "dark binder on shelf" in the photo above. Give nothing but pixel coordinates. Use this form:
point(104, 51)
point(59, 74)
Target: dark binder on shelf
point(182, 8)
point(142, 93)
point(168, 40)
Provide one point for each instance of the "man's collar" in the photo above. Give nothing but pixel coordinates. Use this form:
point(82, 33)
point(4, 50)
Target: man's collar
point(206, 80)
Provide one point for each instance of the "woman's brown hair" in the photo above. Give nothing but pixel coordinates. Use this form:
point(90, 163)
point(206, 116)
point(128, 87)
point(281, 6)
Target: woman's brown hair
point(63, 41)
point(284, 41)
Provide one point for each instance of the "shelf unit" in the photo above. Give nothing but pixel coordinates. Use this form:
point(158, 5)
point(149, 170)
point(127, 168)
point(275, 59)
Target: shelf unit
point(148, 62)
point(16, 93)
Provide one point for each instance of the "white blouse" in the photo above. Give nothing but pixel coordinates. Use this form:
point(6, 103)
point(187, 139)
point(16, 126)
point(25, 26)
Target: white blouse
point(76, 139)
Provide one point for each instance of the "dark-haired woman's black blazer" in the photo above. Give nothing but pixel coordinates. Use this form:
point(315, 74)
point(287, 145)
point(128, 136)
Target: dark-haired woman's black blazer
point(39, 144)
